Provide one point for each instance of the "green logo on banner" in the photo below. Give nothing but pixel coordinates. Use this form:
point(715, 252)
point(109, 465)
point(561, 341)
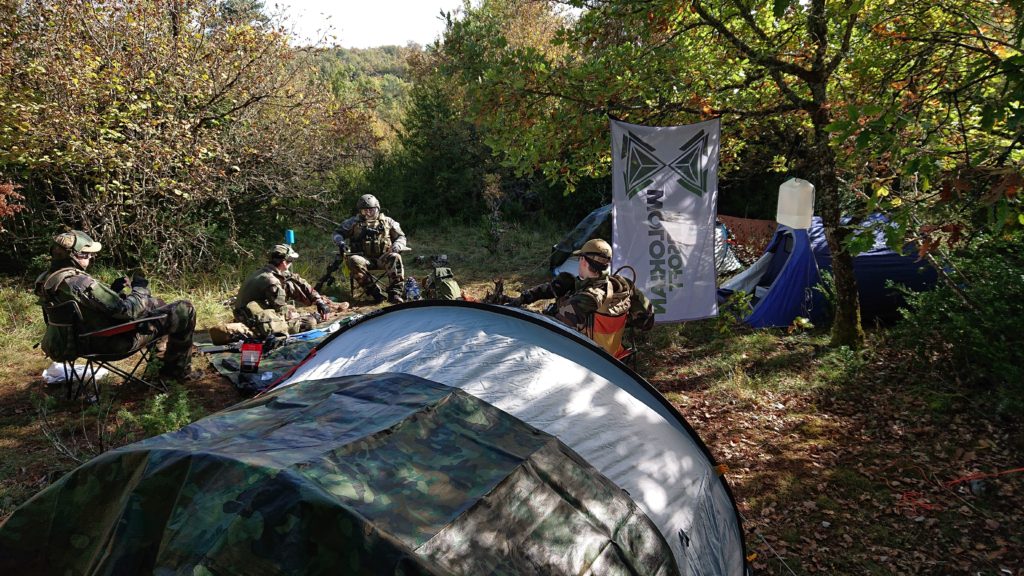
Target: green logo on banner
point(642, 165)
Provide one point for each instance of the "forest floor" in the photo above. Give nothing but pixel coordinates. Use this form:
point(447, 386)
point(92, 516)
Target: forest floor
point(840, 462)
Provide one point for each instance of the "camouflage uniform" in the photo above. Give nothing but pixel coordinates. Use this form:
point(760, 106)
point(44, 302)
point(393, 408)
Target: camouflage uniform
point(374, 243)
point(274, 291)
point(102, 306)
point(578, 299)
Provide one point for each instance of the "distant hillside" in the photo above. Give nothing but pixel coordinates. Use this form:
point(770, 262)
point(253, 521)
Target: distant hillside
point(379, 77)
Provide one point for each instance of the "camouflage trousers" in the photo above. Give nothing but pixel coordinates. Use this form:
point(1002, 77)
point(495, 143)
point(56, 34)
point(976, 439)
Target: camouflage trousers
point(265, 322)
point(178, 326)
point(391, 262)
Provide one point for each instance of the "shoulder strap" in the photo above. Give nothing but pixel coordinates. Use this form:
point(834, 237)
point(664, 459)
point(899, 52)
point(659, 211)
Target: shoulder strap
point(630, 268)
point(52, 281)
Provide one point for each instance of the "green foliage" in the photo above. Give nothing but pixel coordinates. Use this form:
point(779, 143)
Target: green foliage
point(970, 331)
point(377, 80)
point(440, 165)
point(842, 365)
point(736, 308)
point(799, 324)
point(164, 412)
point(826, 286)
point(171, 132)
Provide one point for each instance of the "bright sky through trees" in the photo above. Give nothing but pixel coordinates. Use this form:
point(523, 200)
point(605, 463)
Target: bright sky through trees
point(363, 23)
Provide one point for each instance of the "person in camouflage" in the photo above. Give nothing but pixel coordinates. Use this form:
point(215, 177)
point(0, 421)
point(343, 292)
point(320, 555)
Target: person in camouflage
point(265, 300)
point(594, 290)
point(377, 240)
point(103, 306)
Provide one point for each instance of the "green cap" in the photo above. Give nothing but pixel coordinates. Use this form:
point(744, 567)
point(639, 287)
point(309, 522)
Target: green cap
point(76, 241)
point(597, 250)
point(283, 251)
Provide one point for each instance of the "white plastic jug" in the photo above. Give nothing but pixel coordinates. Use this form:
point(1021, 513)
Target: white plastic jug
point(796, 203)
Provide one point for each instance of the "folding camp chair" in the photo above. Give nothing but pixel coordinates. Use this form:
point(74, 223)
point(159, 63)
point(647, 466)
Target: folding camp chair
point(380, 278)
point(609, 333)
point(69, 315)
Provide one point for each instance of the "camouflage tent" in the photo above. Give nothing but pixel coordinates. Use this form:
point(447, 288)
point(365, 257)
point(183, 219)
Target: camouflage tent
point(426, 438)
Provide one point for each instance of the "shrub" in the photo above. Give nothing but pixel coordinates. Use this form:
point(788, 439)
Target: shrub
point(970, 328)
point(162, 413)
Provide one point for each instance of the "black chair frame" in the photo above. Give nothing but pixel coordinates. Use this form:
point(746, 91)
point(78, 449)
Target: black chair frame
point(378, 278)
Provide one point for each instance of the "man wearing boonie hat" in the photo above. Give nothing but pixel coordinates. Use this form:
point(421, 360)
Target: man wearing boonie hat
point(593, 290)
point(266, 301)
point(103, 306)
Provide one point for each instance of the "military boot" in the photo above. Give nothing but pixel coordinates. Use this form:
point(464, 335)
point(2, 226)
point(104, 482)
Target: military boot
point(395, 294)
point(374, 292)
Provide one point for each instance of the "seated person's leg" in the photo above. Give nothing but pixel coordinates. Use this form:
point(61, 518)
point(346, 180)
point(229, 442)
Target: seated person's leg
point(178, 326)
point(301, 323)
point(359, 267)
point(392, 264)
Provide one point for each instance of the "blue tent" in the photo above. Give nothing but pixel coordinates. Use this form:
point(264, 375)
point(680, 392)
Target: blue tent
point(782, 282)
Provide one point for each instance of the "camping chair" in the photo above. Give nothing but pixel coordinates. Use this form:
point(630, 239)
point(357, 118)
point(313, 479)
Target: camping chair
point(379, 276)
point(69, 315)
point(609, 333)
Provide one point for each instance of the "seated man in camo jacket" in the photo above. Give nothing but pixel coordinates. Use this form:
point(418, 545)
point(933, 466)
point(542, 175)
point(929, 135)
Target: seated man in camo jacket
point(266, 301)
point(102, 306)
point(374, 240)
point(593, 291)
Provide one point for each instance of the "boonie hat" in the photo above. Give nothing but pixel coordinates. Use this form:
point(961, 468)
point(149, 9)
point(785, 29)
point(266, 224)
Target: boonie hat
point(597, 250)
point(283, 251)
point(77, 241)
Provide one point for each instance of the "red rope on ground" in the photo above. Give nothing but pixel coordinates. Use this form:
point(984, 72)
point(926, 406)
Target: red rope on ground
point(979, 476)
point(917, 500)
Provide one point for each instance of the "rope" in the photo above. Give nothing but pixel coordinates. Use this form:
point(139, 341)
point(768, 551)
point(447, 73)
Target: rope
point(772, 550)
point(979, 476)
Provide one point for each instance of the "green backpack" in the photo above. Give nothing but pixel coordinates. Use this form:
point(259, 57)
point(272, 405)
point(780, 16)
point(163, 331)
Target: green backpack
point(441, 285)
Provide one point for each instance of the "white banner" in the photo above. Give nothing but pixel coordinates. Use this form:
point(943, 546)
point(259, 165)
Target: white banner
point(665, 196)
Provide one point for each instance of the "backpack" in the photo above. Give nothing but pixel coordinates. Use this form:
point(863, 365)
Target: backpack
point(441, 285)
point(641, 310)
point(58, 341)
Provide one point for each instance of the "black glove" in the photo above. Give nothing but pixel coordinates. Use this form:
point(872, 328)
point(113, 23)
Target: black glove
point(119, 284)
point(323, 308)
point(140, 282)
point(563, 284)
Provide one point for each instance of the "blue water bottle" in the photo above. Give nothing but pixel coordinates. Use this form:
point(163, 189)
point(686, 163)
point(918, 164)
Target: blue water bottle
point(289, 237)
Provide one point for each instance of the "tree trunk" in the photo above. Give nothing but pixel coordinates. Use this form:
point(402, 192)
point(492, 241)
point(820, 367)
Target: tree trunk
point(846, 327)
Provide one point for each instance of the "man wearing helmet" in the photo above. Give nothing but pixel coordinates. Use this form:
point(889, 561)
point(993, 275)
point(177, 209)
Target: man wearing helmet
point(265, 301)
point(102, 306)
point(375, 240)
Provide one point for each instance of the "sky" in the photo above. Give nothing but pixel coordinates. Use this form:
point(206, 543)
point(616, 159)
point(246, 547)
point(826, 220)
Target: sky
point(365, 23)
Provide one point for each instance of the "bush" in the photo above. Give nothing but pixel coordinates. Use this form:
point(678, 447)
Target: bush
point(163, 413)
point(979, 342)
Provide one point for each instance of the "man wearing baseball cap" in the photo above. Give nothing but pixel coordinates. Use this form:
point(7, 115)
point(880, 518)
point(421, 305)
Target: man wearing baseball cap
point(266, 301)
point(103, 306)
point(593, 290)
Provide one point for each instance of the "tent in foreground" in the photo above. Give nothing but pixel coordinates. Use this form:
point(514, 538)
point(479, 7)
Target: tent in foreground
point(427, 438)
point(782, 282)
